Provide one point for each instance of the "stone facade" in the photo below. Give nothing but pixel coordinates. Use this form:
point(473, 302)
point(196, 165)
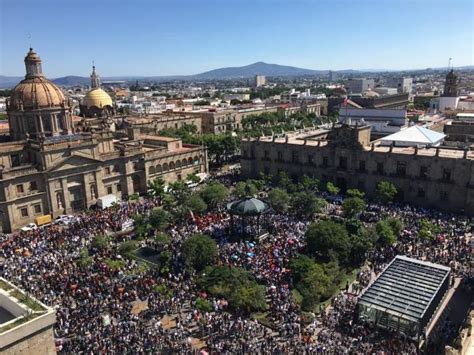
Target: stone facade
point(39, 343)
point(153, 124)
point(432, 177)
point(53, 172)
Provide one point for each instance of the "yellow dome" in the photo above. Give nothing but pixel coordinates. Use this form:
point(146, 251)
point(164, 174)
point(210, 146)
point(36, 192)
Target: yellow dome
point(36, 93)
point(98, 98)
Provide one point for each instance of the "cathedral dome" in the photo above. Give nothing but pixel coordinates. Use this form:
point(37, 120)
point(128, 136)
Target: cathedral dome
point(97, 98)
point(35, 91)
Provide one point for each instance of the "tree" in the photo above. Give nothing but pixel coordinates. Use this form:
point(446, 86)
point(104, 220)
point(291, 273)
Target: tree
point(214, 193)
point(162, 240)
point(332, 189)
point(315, 286)
point(196, 204)
point(140, 225)
point(193, 178)
point(385, 233)
point(199, 251)
point(283, 180)
point(127, 247)
point(355, 193)
point(156, 188)
point(427, 230)
point(309, 183)
point(306, 204)
point(386, 191)
point(159, 218)
point(100, 242)
point(360, 244)
point(396, 225)
point(180, 192)
point(235, 284)
point(325, 236)
point(352, 206)
point(203, 305)
point(279, 200)
point(245, 189)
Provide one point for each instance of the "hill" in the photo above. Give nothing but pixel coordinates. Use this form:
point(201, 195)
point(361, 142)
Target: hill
point(259, 68)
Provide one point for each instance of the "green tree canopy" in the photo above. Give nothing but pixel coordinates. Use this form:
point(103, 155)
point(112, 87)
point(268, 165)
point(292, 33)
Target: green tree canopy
point(279, 200)
point(156, 188)
point(245, 189)
point(332, 189)
point(214, 193)
point(306, 204)
point(386, 191)
point(159, 218)
point(196, 204)
point(199, 251)
point(325, 236)
point(235, 284)
point(352, 206)
point(385, 233)
point(355, 193)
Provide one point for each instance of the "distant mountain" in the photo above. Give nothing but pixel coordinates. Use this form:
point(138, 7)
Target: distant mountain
point(7, 82)
point(259, 68)
point(72, 80)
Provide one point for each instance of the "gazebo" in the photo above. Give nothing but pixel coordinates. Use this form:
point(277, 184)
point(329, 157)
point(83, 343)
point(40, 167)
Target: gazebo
point(248, 208)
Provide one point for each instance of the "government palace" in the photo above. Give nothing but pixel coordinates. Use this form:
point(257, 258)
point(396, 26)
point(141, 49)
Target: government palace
point(440, 177)
point(51, 166)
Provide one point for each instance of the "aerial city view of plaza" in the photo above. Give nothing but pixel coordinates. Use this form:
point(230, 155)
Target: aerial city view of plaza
point(161, 195)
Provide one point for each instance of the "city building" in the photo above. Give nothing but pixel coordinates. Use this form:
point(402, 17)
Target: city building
point(358, 86)
point(403, 85)
point(438, 177)
point(405, 297)
point(26, 325)
point(153, 124)
point(382, 122)
point(96, 103)
point(396, 101)
point(51, 167)
point(260, 80)
point(333, 76)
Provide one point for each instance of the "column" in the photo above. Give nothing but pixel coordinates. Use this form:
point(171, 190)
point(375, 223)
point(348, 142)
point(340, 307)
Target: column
point(67, 203)
point(99, 178)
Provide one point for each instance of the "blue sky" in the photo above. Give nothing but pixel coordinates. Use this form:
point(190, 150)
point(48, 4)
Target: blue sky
point(154, 37)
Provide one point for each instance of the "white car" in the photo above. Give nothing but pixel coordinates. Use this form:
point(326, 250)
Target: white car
point(29, 227)
point(64, 219)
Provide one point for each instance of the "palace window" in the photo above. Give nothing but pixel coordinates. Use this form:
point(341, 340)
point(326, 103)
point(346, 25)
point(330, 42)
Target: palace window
point(421, 192)
point(361, 165)
point(401, 168)
point(15, 158)
point(33, 186)
point(107, 170)
point(379, 168)
point(446, 175)
point(37, 209)
point(20, 189)
point(119, 188)
point(280, 156)
point(294, 157)
point(109, 189)
point(423, 172)
point(343, 163)
point(266, 154)
point(135, 165)
point(325, 162)
point(310, 159)
point(24, 211)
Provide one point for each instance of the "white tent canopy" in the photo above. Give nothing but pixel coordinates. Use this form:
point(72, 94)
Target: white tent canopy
point(414, 136)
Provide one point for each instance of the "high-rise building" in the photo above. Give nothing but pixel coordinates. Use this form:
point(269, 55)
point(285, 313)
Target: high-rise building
point(333, 76)
point(402, 85)
point(358, 86)
point(260, 80)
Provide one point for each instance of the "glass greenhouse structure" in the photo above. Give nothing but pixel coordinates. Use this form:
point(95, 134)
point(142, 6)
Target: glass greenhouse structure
point(405, 296)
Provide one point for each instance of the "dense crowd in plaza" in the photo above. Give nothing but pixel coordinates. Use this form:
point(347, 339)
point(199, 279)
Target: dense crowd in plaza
point(95, 305)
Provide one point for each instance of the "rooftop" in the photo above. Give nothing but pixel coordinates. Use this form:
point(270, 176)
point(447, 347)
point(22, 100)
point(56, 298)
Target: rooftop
point(406, 287)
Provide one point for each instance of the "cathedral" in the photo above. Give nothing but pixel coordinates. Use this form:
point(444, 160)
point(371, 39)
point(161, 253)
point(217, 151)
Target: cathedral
point(50, 167)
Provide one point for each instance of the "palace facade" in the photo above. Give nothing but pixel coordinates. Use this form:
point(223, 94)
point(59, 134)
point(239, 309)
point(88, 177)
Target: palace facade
point(50, 167)
point(432, 177)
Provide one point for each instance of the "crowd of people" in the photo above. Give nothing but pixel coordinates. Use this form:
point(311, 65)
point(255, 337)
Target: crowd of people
point(135, 310)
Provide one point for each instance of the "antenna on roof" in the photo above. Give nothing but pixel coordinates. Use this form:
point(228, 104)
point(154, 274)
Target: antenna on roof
point(449, 63)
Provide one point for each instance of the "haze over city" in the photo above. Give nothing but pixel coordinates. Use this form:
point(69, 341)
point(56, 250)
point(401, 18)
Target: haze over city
point(183, 37)
point(236, 177)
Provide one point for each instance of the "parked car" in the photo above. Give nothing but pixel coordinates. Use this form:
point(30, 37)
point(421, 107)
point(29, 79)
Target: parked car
point(64, 219)
point(29, 227)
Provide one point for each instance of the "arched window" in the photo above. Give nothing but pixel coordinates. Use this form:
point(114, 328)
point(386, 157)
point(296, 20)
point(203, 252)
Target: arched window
point(184, 162)
point(172, 166)
point(196, 160)
point(178, 164)
point(190, 161)
point(165, 167)
point(151, 170)
point(159, 168)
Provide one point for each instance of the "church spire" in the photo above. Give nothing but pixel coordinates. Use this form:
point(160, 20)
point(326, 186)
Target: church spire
point(33, 64)
point(95, 80)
